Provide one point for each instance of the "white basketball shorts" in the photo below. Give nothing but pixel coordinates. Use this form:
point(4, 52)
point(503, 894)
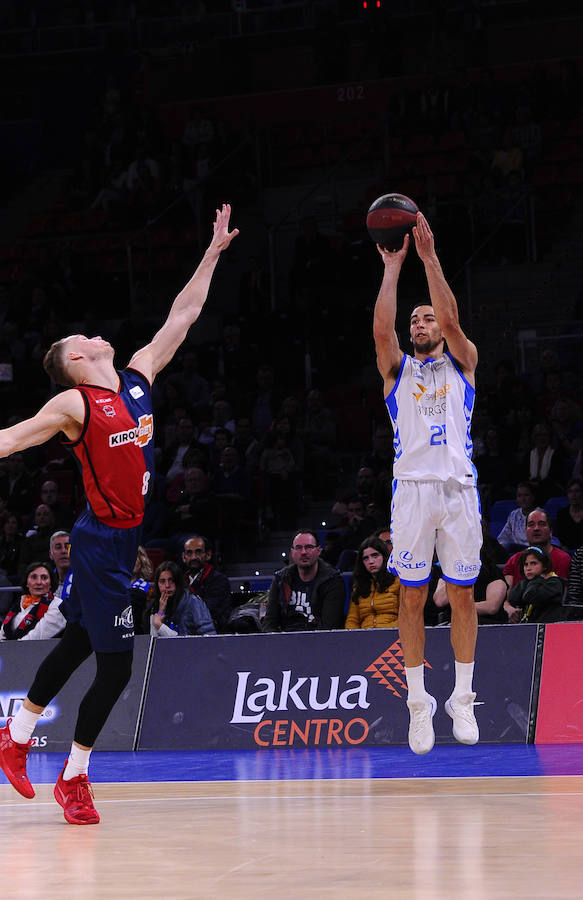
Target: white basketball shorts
point(435, 516)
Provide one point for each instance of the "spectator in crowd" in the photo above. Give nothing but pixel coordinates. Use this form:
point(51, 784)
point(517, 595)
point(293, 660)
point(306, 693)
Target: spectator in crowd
point(246, 444)
point(221, 438)
point(36, 543)
point(16, 484)
point(140, 588)
point(195, 385)
point(59, 546)
point(172, 610)
point(497, 471)
point(538, 534)
point(369, 491)
point(319, 436)
point(380, 459)
point(10, 543)
point(202, 578)
point(231, 478)
point(222, 416)
point(277, 466)
point(374, 601)
point(308, 594)
point(513, 534)
point(185, 439)
point(567, 430)
point(544, 465)
point(359, 526)
point(264, 401)
point(53, 622)
point(537, 597)
point(196, 507)
point(63, 514)
point(569, 519)
point(26, 614)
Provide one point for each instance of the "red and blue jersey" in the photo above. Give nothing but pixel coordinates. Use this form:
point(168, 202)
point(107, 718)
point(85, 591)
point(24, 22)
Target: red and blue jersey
point(116, 449)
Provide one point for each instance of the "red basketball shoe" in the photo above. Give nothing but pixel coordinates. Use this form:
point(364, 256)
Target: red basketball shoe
point(76, 798)
point(13, 762)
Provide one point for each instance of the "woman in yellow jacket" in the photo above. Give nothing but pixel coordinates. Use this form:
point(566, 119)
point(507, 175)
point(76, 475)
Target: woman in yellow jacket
point(375, 592)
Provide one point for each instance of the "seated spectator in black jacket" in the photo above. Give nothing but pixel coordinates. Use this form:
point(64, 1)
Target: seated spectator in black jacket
point(537, 597)
point(201, 577)
point(307, 595)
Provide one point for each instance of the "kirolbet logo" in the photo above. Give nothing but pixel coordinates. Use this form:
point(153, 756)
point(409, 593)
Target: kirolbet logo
point(255, 700)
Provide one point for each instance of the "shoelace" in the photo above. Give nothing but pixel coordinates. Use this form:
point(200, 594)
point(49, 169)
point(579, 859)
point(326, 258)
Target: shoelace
point(83, 792)
point(464, 711)
point(421, 718)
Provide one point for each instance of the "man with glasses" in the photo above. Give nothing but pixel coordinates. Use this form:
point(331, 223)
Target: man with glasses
point(203, 579)
point(308, 594)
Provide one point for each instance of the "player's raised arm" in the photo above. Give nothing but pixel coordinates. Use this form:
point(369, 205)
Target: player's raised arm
point(443, 300)
point(188, 304)
point(389, 354)
point(65, 413)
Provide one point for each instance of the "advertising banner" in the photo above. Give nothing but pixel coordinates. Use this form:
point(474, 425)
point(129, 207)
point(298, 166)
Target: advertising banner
point(560, 704)
point(19, 661)
point(336, 688)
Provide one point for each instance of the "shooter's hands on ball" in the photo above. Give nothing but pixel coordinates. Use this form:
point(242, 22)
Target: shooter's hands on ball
point(393, 259)
point(424, 240)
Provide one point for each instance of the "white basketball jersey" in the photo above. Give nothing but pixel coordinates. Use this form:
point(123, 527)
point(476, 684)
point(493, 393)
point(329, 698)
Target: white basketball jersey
point(431, 410)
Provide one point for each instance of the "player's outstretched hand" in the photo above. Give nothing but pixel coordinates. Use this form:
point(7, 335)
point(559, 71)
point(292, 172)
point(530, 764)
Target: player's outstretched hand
point(222, 237)
point(394, 258)
point(424, 241)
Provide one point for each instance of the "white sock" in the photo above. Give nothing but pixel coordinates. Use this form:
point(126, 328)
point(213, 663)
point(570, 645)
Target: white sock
point(77, 764)
point(415, 682)
point(22, 725)
point(464, 672)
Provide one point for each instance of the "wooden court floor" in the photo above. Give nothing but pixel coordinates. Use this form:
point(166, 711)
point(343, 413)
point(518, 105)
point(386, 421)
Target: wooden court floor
point(475, 836)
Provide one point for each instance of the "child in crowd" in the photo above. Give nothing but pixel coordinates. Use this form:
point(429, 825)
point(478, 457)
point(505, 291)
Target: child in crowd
point(538, 596)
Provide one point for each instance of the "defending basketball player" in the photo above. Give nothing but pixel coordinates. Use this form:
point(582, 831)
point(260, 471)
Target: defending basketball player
point(106, 417)
point(435, 505)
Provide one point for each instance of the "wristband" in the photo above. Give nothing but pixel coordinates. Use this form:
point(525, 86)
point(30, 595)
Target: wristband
point(161, 614)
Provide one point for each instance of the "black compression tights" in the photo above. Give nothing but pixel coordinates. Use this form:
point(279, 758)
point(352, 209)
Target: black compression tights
point(113, 673)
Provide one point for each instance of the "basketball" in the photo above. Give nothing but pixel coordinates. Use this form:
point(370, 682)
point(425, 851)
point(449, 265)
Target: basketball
point(390, 218)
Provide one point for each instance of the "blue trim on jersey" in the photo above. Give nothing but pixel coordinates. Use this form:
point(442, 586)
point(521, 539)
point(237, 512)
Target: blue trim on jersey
point(393, 409)
point(390, 398)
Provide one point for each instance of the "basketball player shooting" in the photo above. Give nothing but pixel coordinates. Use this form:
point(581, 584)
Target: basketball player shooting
point(435, 505)
point(106, 418)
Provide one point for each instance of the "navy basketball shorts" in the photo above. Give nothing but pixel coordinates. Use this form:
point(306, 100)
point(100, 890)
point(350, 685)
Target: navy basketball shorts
point(102, 561)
